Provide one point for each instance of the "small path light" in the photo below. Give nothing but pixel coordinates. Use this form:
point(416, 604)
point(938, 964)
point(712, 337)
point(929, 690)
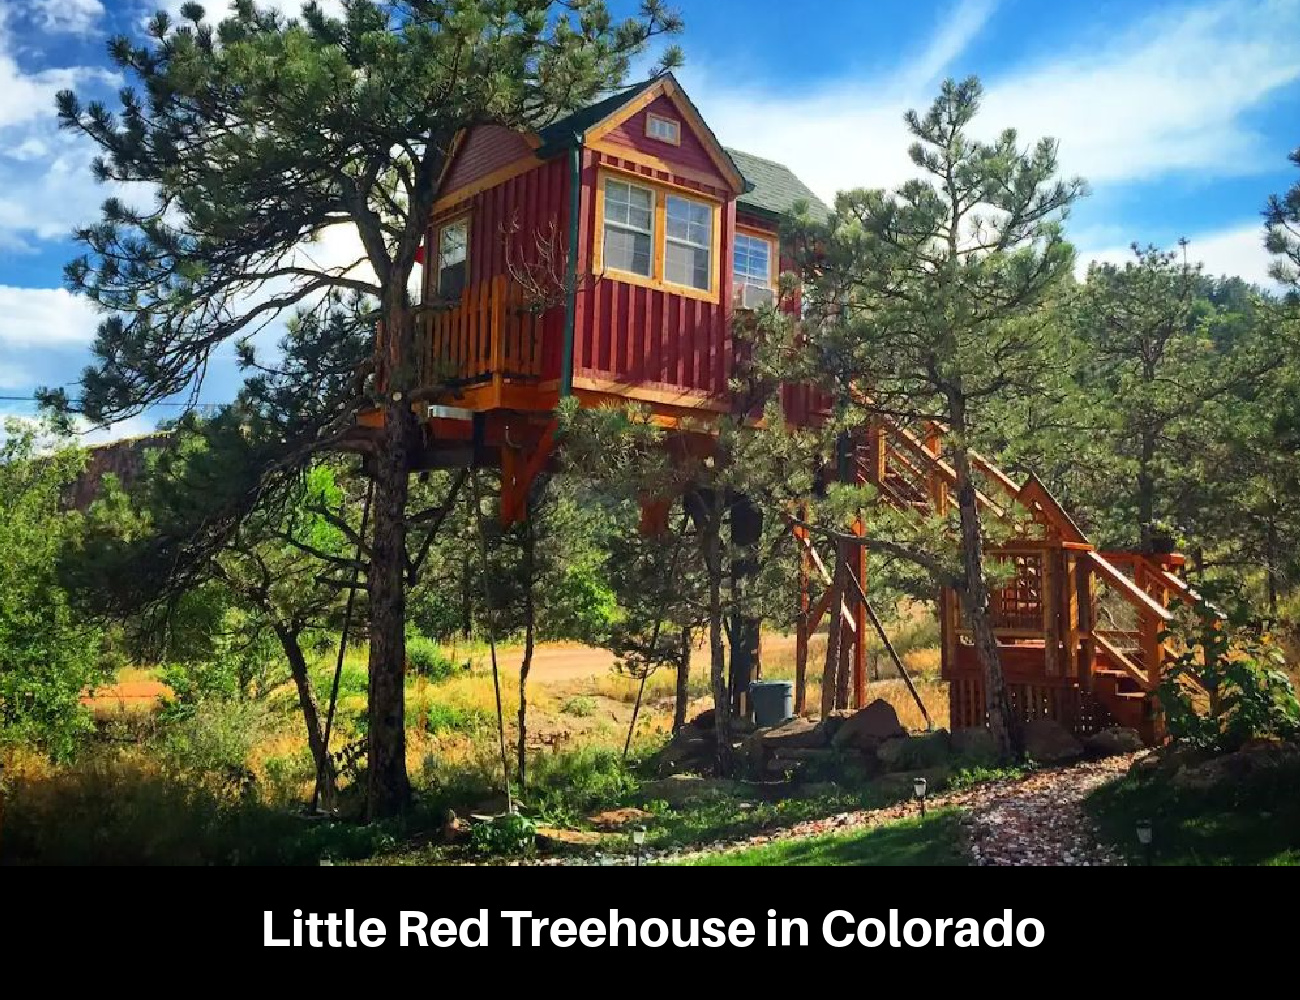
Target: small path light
point(919, 786)
point(1146, 837)
point(638, 838)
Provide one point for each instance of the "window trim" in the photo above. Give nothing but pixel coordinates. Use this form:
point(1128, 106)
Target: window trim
point(602, 222)
point(773, 261)
point(710, 248)
point(660, 191)
point(651, 117)
point(450, 222)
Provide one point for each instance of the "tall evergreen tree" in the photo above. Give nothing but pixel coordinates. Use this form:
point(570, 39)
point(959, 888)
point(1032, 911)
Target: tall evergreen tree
point(260, 135)
point(926, 304)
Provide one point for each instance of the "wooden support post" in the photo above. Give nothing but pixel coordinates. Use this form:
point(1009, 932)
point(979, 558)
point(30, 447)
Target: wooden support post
point(860, 619)
point(1049, 596)
point(1087, 645)
point(938, 487)
point(802, 626)
point(834, 634)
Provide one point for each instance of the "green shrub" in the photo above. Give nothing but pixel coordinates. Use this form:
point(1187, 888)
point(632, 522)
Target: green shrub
point(215, 741)
point(1250, 694)
point(510, 834)
point(425, 658)
point(565, 786)
point(580, 706)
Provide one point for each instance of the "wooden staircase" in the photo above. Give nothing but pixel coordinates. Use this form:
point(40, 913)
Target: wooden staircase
point(1079, 631)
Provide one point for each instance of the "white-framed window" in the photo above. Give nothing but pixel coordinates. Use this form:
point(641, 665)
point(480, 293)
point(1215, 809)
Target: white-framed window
point(688, 243)
point(751, 261)
point(629, 228)
point(453, 259)
point(664, 129)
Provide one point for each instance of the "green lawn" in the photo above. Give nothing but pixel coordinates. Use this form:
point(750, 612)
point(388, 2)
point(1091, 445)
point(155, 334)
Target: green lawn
point(1249, 822)
point(934, 841)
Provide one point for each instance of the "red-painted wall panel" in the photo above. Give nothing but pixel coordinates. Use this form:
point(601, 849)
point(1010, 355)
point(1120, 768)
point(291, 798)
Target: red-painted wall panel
point(486, 148)
point(647, 336)
point(691, 153)
point(517, 215)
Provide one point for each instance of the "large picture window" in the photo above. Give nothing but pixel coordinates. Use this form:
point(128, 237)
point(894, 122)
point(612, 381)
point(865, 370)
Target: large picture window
point(629, 228)
point(453, 259)
point(688, 242)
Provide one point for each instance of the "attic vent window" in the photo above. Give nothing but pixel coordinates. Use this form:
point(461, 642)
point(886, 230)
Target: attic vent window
point(664, 129)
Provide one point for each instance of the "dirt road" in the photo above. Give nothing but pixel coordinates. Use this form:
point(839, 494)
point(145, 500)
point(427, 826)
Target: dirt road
point(558, 663)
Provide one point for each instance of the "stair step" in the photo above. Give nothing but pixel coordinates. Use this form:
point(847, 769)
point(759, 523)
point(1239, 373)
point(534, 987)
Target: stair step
point(1131, 695)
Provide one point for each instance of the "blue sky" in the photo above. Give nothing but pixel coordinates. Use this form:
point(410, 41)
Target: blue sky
point(1179, 114)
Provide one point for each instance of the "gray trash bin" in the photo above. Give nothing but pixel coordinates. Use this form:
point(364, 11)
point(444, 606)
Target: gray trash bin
point(773, 701)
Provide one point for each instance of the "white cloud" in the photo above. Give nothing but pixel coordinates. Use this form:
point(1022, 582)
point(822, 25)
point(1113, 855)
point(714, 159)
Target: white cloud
point(1165, 94)
point(76, 17)
point(44, 317)
point(1235, 250)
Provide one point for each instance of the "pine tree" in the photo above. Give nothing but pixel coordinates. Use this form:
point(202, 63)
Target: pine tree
point(1282, 232)
point(926, 304)
point(259, 135)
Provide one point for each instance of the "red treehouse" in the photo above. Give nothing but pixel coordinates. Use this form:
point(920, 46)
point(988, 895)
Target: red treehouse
point(601, 257)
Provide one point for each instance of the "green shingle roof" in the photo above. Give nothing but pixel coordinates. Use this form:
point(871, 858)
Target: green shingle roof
point(775, 187)
point(561, 132)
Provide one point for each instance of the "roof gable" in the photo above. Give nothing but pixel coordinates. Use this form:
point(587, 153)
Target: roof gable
point(593, 123)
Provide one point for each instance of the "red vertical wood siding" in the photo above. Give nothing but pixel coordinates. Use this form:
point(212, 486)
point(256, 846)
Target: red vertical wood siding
point(691, 153)
point(515, 213)
point(650, 337)
point(485, 148)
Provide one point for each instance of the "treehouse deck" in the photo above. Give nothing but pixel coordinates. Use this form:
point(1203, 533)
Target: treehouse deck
point(603, 258)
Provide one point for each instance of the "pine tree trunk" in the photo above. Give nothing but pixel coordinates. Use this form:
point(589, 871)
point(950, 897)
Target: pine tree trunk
point(683, 683)
point(717, 651)
point(389, 789)
point(1146, 494)
point(746, 536)
point(530, 644)
point(975, 605)
point(325, 777)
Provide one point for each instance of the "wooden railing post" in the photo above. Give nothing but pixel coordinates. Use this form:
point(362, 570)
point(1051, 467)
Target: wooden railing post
point(497, 327)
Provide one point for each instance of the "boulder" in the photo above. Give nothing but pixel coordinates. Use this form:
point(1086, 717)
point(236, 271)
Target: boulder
point(1049, 742)
point(911, 753)
point(868, 727)
point(684, 789)
point(793, 733)
point(974, 745)
point(1262, 759)
point(1112, 741)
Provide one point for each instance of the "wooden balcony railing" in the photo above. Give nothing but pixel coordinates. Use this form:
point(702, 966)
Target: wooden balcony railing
point(490, 335)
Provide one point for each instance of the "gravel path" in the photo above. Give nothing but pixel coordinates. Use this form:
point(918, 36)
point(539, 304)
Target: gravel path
point(1038, 820)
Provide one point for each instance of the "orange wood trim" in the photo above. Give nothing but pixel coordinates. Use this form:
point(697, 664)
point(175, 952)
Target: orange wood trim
point(683, 400)
point(653, 163)
point(498, 176)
